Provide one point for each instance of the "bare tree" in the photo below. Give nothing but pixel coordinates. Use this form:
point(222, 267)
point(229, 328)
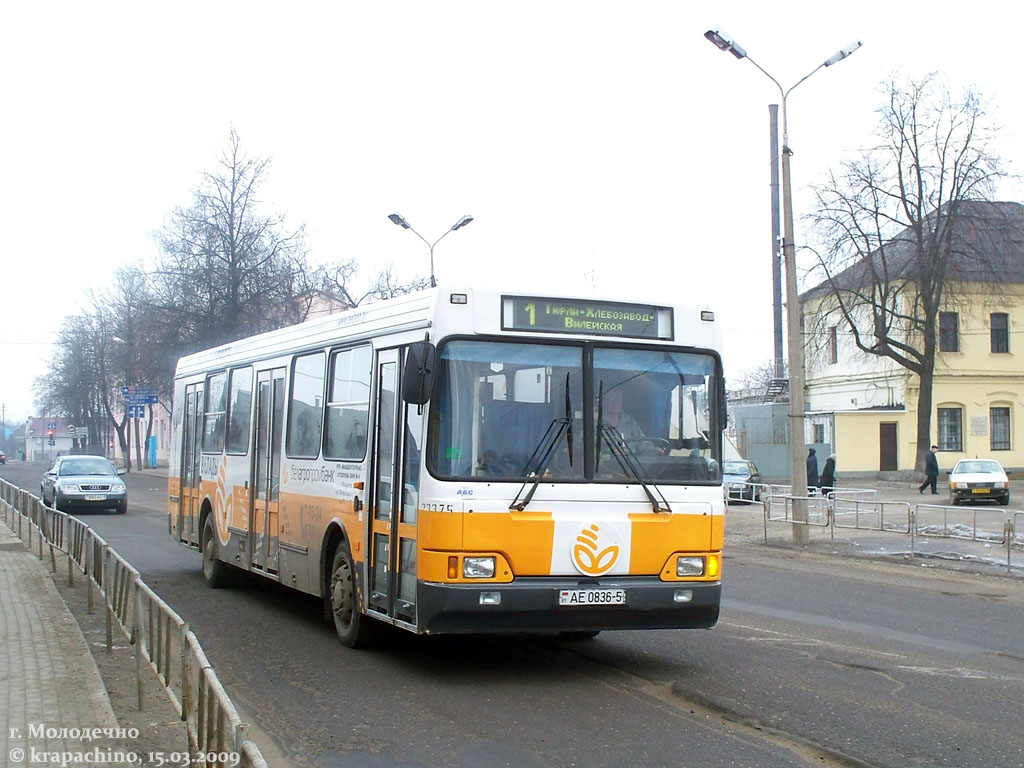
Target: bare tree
point(387, 286)
point(760, 377)
point(904, 225)
point(230, 270)
point(338, 280)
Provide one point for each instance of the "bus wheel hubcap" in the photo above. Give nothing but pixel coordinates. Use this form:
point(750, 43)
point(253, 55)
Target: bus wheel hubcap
point(341, 593)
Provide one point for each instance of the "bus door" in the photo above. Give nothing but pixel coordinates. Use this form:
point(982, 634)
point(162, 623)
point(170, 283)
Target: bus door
point(188, 503)
point(394, 495)
point(266, 471)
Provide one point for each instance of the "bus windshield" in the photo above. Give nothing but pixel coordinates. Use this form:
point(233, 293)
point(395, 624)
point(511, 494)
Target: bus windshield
point(571, 413)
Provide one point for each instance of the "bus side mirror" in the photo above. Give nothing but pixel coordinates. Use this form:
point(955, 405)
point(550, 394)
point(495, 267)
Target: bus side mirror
point(418, 379)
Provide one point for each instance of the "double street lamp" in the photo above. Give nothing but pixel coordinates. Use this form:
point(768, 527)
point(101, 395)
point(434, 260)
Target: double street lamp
point(797, 468)
point(397, 219)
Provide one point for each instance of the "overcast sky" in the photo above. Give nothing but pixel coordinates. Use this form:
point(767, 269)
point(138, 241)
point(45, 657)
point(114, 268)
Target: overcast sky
point(596, 144)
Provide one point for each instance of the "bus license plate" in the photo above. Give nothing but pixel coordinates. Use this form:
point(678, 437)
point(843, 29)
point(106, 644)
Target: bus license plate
point(592, 597)
point(95, 498)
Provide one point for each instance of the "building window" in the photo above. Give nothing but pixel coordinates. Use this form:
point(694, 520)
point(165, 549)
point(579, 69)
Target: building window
point(819, 433)
point(948, 341)
point(833, 346)
point(1000, 331)
point(950, 429)
point(999, 428)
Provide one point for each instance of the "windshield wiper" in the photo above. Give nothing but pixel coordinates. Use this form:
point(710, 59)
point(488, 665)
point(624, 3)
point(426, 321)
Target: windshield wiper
point(631, 464)
point(546, 448)
point(568, 418)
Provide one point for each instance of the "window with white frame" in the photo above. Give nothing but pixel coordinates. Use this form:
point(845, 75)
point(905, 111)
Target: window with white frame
point(999, 427)
point(951, 431)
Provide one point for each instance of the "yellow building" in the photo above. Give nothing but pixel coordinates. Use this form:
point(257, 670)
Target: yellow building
point(865, 405)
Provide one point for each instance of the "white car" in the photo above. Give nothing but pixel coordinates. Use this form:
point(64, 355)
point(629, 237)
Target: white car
point(978, 480)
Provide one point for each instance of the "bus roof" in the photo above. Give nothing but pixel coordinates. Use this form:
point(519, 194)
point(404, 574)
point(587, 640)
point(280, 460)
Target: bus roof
point(481, 312)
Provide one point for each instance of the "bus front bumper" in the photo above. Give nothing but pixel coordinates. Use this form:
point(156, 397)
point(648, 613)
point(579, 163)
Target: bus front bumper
point(533, 605)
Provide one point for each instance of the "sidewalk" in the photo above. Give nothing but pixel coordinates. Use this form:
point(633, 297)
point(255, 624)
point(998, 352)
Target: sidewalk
point(54, 708)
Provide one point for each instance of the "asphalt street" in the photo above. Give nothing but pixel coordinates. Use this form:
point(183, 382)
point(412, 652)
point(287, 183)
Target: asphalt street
point(819, 658)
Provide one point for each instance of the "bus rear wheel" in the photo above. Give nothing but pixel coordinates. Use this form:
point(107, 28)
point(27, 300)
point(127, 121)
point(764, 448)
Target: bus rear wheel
point(350, 624)
point(214, 571)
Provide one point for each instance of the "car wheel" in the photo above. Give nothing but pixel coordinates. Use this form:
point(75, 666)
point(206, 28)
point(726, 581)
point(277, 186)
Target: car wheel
point(214, 571)
point(351, 625)
point(122, 508)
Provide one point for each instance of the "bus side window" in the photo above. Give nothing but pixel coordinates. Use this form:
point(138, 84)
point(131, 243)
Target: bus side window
point(240, 413)
point(348, 404)
point(214, 411)
point(305, 411)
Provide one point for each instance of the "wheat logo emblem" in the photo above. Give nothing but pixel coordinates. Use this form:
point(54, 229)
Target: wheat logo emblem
point(588, 555)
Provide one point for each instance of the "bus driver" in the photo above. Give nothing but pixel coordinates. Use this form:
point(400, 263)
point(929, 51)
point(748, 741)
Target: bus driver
point(613, 416)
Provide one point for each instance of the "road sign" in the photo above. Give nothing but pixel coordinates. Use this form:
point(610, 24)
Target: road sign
point(71, 429)
point(52, 425)
point(140, 399)
point(136, 411)
point(136, 389)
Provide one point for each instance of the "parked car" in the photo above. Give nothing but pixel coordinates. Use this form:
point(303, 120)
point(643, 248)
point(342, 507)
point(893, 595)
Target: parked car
point(742, 479)
point(978, 480)
point(3, 457)
point(78, 483)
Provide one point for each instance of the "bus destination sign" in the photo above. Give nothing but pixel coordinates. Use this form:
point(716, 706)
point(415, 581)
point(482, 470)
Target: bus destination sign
point(592, 317)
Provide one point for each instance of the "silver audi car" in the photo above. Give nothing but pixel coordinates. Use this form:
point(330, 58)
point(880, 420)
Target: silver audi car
point(79, 483)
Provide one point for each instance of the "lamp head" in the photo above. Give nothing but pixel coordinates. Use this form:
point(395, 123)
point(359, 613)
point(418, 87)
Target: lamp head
point(462, 222)
point(724, 42)
point(397, 219)
point(843, 53)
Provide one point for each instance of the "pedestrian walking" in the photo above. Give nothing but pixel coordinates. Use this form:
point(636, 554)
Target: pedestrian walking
point(931, 471)
point(827, 481)
point(812, 471)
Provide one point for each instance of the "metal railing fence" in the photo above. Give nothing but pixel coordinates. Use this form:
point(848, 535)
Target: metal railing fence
point(162, 641)
point(988, 526)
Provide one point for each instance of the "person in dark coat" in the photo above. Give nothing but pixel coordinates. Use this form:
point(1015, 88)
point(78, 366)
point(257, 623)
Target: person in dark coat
point(827, 481)
point(812, 470)
point(931, 471)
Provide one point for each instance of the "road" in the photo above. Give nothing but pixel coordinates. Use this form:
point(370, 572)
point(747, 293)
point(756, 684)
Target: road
point(817, 660)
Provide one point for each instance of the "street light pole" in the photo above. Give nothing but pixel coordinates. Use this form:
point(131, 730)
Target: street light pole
point(397, 219)
point(797, 467)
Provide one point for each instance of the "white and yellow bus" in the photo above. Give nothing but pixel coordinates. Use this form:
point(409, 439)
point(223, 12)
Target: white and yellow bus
point(462, 460)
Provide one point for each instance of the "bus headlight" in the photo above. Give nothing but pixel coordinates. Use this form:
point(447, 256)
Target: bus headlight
point(478, 568)
point(689, 566)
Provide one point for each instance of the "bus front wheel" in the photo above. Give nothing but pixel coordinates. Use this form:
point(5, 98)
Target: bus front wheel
point(214, 571)
point(351, 626)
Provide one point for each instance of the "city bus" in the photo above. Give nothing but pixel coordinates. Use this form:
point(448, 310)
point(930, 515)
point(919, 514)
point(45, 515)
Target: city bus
point(464, 461)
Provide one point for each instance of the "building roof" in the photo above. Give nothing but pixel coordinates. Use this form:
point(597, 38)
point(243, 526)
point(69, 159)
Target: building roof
point(987, 242)
point(39, 426)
